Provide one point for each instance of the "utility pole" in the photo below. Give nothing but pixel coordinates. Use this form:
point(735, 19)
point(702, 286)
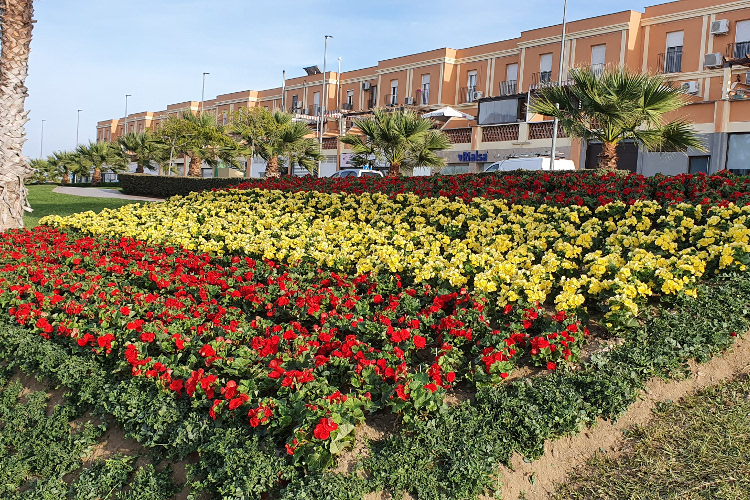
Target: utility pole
point(323, 99)
point(203, 92)
point(559, 84)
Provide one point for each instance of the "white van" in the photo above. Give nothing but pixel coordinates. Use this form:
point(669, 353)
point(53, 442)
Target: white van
point(531, 163)
point(356, 172)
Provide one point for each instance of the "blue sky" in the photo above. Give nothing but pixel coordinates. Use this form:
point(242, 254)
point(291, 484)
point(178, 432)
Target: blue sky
point(87, 54)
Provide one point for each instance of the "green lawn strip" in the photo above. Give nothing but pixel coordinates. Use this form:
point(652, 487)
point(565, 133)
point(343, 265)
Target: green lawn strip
point(38, 448)
point(454, 455)
point(45, 202)
point(696, 449)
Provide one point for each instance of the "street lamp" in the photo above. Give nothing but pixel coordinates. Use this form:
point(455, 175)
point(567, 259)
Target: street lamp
point(323, 100)
point(559, 84)
point(203, 92)
point(78, 126)
point(41, 147)
point(125, 125)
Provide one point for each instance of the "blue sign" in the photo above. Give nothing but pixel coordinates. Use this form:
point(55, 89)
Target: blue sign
point(472, 157)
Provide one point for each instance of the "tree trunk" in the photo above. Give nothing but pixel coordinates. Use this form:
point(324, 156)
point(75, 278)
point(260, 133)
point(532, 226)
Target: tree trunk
point(15, 39)
point(97, 177)
point(608, 157)
point(394, 170)
point(65, 178)
point(139, 169)
point(195, 167)
point(272, 170)
point(249, 166)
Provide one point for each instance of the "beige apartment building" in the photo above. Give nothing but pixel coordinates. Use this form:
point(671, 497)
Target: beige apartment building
point(701, 45)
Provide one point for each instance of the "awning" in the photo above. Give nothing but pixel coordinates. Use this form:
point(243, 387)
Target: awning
point(446, 113)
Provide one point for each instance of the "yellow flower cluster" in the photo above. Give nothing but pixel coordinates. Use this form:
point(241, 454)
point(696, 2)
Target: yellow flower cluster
point(613, 258)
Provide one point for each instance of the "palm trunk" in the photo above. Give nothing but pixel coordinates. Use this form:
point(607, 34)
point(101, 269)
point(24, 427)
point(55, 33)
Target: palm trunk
point(608, 156)
point(15, 39)
point(273, 167)
point(97, 177)
point(65, 178)
point(139, 169)
point(249, 166)
point(394, 170)
point(195, 167)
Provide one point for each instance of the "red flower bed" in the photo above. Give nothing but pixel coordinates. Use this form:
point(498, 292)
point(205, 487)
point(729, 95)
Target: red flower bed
point(561, 188)
point(298, 351)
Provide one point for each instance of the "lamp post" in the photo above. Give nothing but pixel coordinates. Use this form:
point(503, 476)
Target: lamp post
point(125, 123)
point(203, 92)
point(41, 147)
point(338, 87)
point(323, 100)
point(78, 126)
point(559, 84)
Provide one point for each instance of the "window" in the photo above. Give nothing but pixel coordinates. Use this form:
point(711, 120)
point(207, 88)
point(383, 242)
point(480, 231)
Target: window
point(545, 68)
point(510, 85)
point(350, 97)
point(598, 56)
point(738, 154)
point(316, 103)
point(224, 118)
point(742, 40)
point(471, 86)
point(506, 110)
point(673, 57)
point(394, 92)
point(295, 100)
point(698, 164)
point(425, 89)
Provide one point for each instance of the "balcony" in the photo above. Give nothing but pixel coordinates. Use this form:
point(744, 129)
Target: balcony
point(670, 62)
point(543, 130)
point(740, 50)
point(509, 87)
point(459, 135)
point(330, 143)
point(347, 106)
point(423, 97)
point(500, 133)
point(390, 99)
point(469, 94)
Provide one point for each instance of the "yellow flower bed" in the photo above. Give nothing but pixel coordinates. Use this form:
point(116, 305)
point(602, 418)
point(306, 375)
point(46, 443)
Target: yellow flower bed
point(614, 257)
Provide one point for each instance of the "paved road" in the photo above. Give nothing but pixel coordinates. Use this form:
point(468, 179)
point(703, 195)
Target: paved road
point(100, 193)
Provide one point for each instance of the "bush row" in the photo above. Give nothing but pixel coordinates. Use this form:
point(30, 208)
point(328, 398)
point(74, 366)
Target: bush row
point(452, 456)
point(166, 186)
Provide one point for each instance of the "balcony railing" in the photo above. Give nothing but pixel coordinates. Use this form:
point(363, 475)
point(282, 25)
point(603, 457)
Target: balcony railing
point(541, 78)
point(468, 94)
point(509, 87)
point(739, 50)
point(670, 62)
point(543, 130)
point(459, 135)
point(347, 106)
point(423, 97)
point(500, 133)
point(330, 142)
point(390, 99)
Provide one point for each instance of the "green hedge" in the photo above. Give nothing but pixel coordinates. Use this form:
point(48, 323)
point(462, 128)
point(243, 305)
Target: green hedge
point(165, 186)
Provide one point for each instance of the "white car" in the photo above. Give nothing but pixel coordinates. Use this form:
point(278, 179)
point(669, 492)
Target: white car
point(357, 172)
point(533, 163)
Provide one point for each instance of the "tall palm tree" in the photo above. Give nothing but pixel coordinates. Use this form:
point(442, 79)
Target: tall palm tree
point(252, 126)
point(206, 141)
point(144, 149)
point(288, 139)
point(101, 156)
point(619, 105)
point(16, 23)
point(403, 139)
point(65, 163)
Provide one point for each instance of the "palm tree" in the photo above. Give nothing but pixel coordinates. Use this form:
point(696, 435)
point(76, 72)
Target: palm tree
point(403, 139)
point(252, 126)
point(619, 105)
point(142, 148)
point(204, 140)
point(288, 139)
point(101, 156)
point(16, 24)
point(65, 163)
point(42, 171)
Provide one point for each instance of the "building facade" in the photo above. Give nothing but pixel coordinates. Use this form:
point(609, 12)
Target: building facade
point(701, 45)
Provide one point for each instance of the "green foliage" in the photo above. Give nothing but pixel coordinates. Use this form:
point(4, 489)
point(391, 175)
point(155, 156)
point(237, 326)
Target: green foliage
point(325, 486)
point(145, 149)
point(101, 157)
point(166, 186)
point(288, 139)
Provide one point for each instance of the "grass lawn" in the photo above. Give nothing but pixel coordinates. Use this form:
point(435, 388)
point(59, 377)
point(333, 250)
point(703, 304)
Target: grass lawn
point(45, 202)
point(698, 448)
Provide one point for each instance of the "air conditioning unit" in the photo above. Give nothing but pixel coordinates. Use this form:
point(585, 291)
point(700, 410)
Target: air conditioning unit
point(714, 60)
point(305, 111)
point(475, 96)
point(365, 85)
point(297, 105)
point(409, 101)
point(720, 27)
point(689, 87)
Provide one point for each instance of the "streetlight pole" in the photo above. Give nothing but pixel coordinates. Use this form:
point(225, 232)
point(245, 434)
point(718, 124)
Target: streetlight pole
point(203, 92)
point(338, 87)
point(78, 126)
point(41, 147)
point(559, 84)
point(125, 124)
point(283, 91)
point(323, 100)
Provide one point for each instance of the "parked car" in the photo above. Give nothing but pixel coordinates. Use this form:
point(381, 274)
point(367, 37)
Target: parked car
point(357, 172)
point(533, 163)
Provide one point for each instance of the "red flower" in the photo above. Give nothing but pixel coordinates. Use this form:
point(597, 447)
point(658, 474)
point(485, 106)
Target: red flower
point(207, 351)
point(450, 377)
point(420, 341)
point(125, 310)
point(148, 337)
point(176, 386)
point(238, 401)
point(324, 428)
point(431, 386)
point(551, 365)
